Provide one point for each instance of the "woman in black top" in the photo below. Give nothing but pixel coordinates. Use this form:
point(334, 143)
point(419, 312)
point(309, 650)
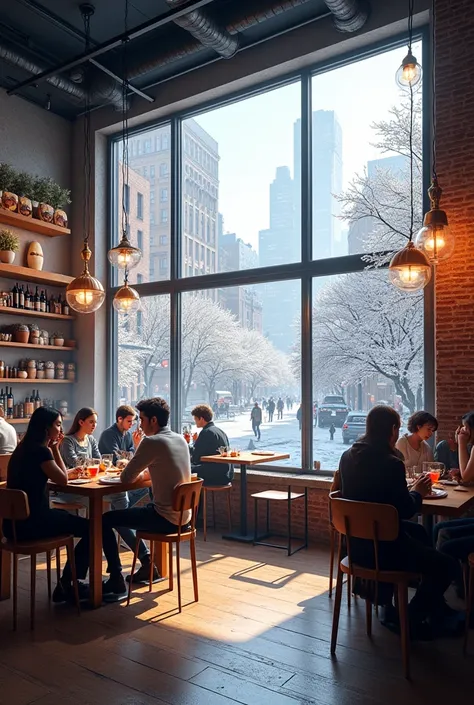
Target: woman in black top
point(35, 461)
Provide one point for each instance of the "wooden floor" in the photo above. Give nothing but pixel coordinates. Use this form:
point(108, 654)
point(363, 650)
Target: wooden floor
point(259, 635)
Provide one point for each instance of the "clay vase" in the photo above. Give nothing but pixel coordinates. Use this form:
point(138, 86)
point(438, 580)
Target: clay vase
point(45, 212)
point(25, 206)
point(7, 256)
point(35, 256)
point(60, 218)
point(10, 201)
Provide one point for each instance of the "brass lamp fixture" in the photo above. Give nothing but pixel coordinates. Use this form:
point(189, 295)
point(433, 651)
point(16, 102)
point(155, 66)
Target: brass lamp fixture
point(409, 73)
point(85, 294)
point(126, 299)
point(435, 238)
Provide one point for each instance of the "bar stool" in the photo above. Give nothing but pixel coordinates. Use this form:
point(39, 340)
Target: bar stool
point(213, 489)
point(280, 496)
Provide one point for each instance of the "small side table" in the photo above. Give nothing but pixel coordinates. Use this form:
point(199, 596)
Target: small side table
point(280, 496)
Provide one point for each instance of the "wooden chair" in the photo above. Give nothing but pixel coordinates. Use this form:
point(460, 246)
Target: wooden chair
point(185, 497)
point(373, 522)
point(14, 506)
point(217, 488)
point(4, 460)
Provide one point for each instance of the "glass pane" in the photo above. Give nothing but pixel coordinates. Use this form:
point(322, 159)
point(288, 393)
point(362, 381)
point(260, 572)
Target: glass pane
point(235, 352)
point(239, 191)
point(361, 170)
point(147, 199)
point(367, 350)
point(143, 351)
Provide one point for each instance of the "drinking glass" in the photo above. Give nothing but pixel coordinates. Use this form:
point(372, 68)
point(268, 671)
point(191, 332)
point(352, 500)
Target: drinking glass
point(434, 470)
point(106, 462)
point(92, 465)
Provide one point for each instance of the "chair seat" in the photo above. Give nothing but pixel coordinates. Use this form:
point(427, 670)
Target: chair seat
point(37, 545)
point(383, 576)
point(217, 488)
point(165, 538)
point(277, 495)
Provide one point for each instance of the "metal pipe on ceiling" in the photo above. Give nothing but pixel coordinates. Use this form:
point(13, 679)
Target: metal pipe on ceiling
point(349, 15)
point(206, 30)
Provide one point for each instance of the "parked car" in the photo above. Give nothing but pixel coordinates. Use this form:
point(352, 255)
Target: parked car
point(334, 410)
point(354, 426)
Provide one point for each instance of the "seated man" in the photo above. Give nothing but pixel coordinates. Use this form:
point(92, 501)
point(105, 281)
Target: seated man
point(113, 441)
point(166, 455)
point(371, 471)
point(208, 442)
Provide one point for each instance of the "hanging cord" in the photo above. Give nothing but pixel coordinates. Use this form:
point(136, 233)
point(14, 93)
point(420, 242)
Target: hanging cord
point(433, 92)
point(125, 154)
point(87, 139)
point(412, 207)
point(411, 10)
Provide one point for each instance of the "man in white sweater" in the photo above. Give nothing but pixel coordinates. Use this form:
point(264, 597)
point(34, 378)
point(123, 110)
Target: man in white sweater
point(165, 456)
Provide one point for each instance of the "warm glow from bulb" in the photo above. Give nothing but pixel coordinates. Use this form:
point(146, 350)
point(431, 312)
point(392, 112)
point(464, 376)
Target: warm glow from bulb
point(123, 259)
point(409, 72)
point(409, 275)
point(435, 243)
point(84, 297)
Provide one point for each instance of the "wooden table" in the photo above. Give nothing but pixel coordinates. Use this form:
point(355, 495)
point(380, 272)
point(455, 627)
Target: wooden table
point(455, 505)
point(95, 493)
point(244, 459)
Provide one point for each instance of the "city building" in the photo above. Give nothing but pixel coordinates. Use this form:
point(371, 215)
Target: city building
point(137, 204)
point(243, 302)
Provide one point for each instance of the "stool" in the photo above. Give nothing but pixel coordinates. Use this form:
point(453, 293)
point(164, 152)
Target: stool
point(213, 489)
point(280, 496)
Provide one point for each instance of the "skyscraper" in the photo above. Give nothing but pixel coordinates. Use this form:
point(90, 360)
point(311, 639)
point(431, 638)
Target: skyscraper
point(280, 244)
point(242, 301)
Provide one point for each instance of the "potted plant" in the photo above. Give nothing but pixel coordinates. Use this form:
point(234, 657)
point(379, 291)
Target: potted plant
point(59, 198)
point(58, 339)
point(9, 244)
point(23, 187)
point(49, 369)
point(21, 333)
point(7, 180)
point(34, 334)
point(40, 369)
point(42, 207)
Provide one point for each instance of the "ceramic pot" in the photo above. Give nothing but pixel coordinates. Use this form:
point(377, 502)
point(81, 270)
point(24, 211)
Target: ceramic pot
point(34, 339)
point(49, 374)
point(39, 374)
point(45, 212)
point(7, 256)
point(20, 336)
point(60, 374)
point(71, 375)
point(22, 374)
point(59, 342)
point(35, 256)
point(25, 206)
point(70, 343)
point(31, 372)
point(60, 218)
point(10, 201)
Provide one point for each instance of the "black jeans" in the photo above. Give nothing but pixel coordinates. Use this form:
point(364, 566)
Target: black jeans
point(139, 518)
point(56, 522)
point(256, 429)
point(455, 538)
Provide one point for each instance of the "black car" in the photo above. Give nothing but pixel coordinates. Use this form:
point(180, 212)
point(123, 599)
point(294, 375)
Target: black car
point(333, 410)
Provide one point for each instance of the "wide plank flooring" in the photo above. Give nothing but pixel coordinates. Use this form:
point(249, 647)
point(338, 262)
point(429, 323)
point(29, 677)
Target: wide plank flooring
point(259, 635)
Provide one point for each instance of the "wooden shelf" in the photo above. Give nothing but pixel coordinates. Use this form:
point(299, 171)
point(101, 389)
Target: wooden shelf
point(33, 224)
point(35, 314)
point(21, 421)
point(34, 382)
point(4, 344)
point(14, 271)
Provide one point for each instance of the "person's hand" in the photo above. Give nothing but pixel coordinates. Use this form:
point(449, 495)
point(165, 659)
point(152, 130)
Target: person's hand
point(54, 444)
point(422, 485)
point(137, 436)
point(195, 437)
point(463, 436)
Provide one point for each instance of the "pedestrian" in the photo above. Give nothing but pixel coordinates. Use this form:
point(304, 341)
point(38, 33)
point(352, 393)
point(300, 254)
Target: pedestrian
point(288, 403)
point(256, 419)
point(332, 431)
point(271, 409)
point(280, 407)
point(299, 415)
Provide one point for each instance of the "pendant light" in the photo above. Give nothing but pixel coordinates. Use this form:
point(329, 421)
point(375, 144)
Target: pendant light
point(85, 294)
point(435, 237)
point(409, 73)
point(410, 269)
point(125, 255)
point(127, 299)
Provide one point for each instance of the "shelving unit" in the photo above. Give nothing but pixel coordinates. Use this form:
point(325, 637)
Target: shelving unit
point(5, 344)
point(34, 382)
point(33, 224)
point(17, 422)
point(35, 314)
point(16, 271)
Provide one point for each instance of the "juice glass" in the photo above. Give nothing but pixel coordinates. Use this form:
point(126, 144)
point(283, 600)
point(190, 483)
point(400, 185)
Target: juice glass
point(93, 468)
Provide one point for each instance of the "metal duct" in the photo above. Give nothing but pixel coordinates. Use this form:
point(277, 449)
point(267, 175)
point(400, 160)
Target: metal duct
point(203, 28)
point(263, 12)
point(349, 15)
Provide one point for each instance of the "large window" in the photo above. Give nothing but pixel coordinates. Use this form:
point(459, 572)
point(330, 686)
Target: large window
point(319, 195)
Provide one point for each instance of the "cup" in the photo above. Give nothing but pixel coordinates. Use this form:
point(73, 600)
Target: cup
point(434, 470)
point(92, 466)
point(106, 462)
point(222, 450)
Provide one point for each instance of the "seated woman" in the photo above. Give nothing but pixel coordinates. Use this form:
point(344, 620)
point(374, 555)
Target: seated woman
point(35, 461)
point(413, 445)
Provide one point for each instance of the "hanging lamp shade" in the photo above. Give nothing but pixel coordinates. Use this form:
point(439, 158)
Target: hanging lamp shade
point(126, 299)
point(85, 294)
point(409, 73)
point(124, 255)
point(409, 269)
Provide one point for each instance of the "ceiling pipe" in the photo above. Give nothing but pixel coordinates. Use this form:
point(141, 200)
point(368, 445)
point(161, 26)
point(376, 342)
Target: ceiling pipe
point(206, 30)
point(349, 15)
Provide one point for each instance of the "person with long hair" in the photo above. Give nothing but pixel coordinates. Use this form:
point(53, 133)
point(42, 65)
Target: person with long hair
point(36, 460)
point(372, 471)
point(79, 442)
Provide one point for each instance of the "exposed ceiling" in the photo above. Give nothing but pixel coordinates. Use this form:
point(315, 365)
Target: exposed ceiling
point(42, 44)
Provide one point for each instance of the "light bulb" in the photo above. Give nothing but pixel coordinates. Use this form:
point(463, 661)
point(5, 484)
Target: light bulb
point(409, 269)
point(84, 298)
point(126, 300)
point(409, 73)
point(124, 256)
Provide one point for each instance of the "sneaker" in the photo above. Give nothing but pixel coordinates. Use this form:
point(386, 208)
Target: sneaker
point(114, 588)
point(142, 576)
point(65, 593)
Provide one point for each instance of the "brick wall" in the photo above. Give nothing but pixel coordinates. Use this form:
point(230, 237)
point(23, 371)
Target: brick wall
point(455, 166)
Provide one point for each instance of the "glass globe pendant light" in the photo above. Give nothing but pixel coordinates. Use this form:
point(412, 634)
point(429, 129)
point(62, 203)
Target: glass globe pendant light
point(409, 72)
point(126, 299)
point(85, 294)
point(409, 269)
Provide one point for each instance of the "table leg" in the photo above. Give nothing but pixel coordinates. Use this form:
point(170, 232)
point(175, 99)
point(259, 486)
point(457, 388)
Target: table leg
point(5, 574)
point(428, 523)
point(242, 535)
point(95, 569)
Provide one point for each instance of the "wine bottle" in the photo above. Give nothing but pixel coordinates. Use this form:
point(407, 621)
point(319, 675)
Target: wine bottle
point(1, 402)
point(37, 399)
point(43, 302)
point(15, 296)
point(21, 297)
point(10, 402)
point(65, 308)
point(37, 300)
point(27, 298)
point(51, 308)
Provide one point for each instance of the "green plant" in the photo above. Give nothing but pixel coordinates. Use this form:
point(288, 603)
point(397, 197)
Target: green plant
point(59, 335)
point(7, 176)
point(9, 242)
point(33, 328)
point(20, 328)
point(23, 184)
point(59, 197)
point(42, 188)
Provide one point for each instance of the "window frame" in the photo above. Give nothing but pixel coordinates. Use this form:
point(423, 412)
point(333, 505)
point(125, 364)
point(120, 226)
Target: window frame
point(304, 270)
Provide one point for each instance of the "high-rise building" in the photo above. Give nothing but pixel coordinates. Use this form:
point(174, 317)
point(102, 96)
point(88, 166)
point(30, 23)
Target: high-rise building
point(150, 156)
point(327, 182)
point(241, 301)
point(137, 201)
point(279, 244)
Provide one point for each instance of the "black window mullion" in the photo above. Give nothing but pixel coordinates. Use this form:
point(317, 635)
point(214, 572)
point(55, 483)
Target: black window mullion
point(175, 274)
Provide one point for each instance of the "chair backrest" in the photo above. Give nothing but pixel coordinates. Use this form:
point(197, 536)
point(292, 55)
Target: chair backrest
point(364, 520)
point(185, 498)
point(4, 460)
point(14, 506)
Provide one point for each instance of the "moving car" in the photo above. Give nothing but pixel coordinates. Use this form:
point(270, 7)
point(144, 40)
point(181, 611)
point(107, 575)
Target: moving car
point(354, 426)
point(334, 410)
